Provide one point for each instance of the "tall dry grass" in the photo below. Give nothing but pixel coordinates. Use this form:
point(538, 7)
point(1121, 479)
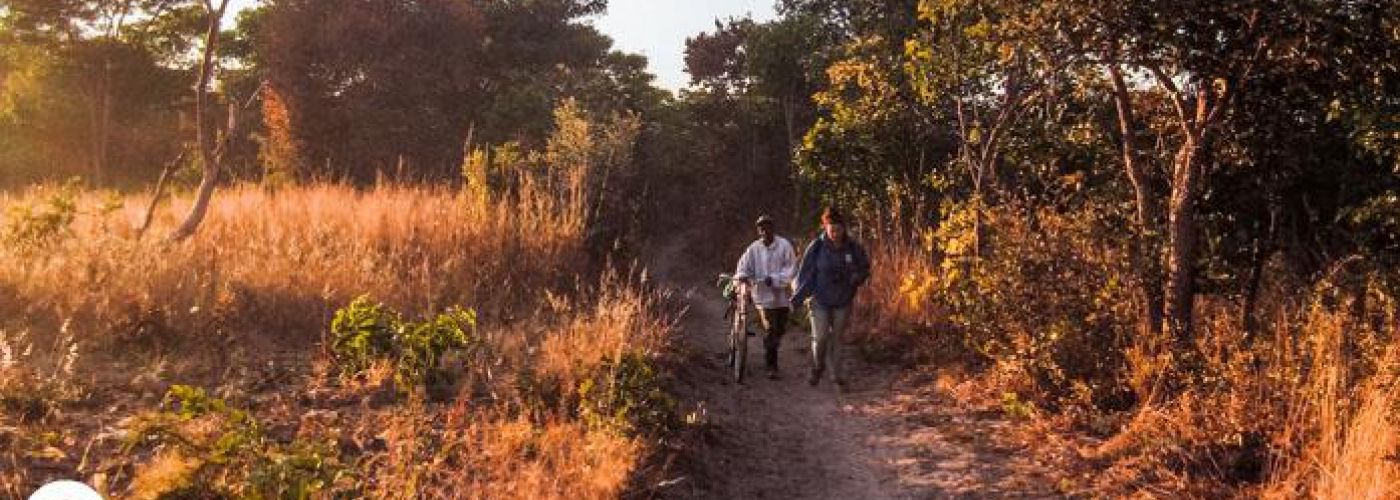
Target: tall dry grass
point(557, 396)
point(1354, 455)
point(1340, 438)
point(526, 439)
point(268, 269)
point(272, 265)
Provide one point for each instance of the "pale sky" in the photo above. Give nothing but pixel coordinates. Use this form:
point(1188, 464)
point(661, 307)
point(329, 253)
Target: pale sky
point(658, 28)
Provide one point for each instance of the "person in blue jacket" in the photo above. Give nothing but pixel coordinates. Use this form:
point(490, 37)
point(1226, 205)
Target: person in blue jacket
point(833, 269)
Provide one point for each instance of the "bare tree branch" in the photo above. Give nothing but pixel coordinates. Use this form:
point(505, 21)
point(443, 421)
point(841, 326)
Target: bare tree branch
point(1178, 101)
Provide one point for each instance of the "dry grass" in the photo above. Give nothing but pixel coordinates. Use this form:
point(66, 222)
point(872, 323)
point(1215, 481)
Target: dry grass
point(1341, 437)
point(524, 440)
point(518, 458)
point(264, 275)
point(1359, 461)
point(1305, 407)
point(897, 285)
point(269, 267)
point(417, 246)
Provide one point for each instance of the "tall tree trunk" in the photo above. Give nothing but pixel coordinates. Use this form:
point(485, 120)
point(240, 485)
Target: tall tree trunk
point(1145, 245)
point(1181, 241)
point(210, 159)
point(1195, 117)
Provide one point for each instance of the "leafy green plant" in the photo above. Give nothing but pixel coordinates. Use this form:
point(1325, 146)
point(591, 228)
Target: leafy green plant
point(229, 453)
point(31, 226)
point(1042, 302)
point(625, 395)
point(364, 332)
point(1013, 406)
point(360, 333)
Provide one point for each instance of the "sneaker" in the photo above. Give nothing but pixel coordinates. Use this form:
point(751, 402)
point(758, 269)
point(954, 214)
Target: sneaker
point(773, 374)
point(812, 380)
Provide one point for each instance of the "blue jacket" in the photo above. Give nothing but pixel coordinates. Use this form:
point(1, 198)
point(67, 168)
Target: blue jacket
point(830, 276)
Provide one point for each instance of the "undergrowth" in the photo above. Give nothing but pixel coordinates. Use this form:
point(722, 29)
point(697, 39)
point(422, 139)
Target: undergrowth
point(1043, 314)
point(364, 332)
point(204, 448)
point(549, 386)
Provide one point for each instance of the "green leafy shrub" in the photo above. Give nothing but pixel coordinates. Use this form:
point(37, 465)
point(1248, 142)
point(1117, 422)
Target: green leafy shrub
point(1013, 406)
point(364, 332)
point(31, 226)
point(626, 395)
point(227, 453)
point(1044, 302)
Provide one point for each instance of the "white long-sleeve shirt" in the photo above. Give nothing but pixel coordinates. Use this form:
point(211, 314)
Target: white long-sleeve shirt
point(777, 261)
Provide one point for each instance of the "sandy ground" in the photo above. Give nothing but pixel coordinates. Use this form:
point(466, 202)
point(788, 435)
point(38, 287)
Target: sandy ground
point(777, 438)
point(883, 438)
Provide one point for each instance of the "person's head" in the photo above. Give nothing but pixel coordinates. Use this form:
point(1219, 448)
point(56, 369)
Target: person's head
point(764, 226)
point(834, 224)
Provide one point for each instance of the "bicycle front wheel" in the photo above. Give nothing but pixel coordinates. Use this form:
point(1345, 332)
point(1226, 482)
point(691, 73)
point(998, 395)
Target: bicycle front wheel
point(739, 345)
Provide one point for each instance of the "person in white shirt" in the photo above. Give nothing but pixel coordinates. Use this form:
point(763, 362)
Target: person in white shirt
point(767, 266)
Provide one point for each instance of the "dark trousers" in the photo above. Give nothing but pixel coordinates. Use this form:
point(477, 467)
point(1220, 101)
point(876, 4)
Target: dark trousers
point(775, 322)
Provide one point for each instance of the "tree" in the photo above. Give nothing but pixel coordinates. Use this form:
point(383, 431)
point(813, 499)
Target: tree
point(966, 58)
point(91, 84)
point(211, 148)
point(745, 110)
point(1227, 124)
point(394, 86)
point(1206, 59)
point(874, 145)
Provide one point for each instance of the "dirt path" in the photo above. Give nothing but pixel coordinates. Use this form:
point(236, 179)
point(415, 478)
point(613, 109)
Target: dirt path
point(783, 439)
point(776, 438)
point(880, 439)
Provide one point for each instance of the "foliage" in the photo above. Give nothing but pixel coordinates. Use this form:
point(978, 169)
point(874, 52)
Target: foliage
point(87, 89)
point(223, 452)
point(625, 395)
point(383, 102)
point(364, 332)
point(31, 226)
point(1047, 305)
point(1014, 407)
point(280, 153)
point(846, 154)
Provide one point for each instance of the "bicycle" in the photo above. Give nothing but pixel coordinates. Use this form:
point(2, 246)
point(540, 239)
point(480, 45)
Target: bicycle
point(737, 293)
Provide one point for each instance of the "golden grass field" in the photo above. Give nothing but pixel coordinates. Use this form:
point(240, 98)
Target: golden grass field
point(96, 324)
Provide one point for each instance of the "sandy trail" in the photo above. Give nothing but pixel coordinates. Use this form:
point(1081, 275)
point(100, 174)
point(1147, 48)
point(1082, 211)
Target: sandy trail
point(783, 439)
point(777, 438)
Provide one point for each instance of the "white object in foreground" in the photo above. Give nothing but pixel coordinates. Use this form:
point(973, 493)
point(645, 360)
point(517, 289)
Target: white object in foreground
point(65, 490)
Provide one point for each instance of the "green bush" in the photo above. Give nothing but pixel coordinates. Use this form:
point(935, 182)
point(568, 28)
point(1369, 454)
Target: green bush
point(625, 395)
point(31, 226)
point(236, 459)
point(1044, 302)
point(364, 332)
